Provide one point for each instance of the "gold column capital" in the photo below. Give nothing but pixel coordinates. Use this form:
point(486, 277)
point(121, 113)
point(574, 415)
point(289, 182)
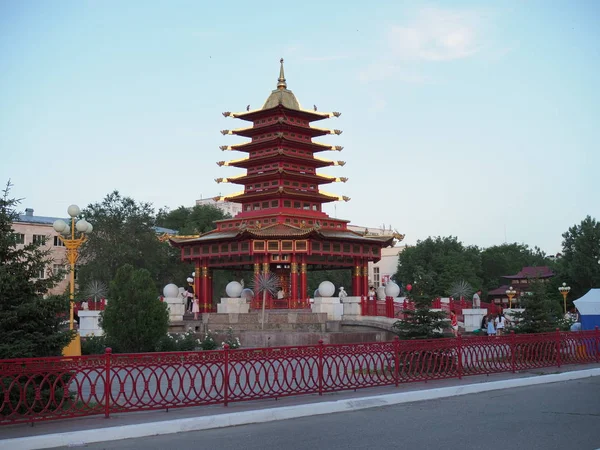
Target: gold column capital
point(294, 267)
point(303, 268)
point(265, 267)
point(205, 272)
point(357, 271)
point(256, 268)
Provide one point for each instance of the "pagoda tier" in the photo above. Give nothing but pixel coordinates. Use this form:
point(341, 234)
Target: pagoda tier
point(280, 157)
point(268, 175)
point(280, 127)
point(260, 114)
point(281, 141)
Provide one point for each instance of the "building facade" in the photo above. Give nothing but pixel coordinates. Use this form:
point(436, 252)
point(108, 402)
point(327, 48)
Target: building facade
point(227, 207)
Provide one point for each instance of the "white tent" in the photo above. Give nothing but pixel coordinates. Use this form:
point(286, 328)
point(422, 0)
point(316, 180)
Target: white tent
point(589, 304)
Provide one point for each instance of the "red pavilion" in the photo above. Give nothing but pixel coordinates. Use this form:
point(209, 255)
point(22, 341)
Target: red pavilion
point(282, 227)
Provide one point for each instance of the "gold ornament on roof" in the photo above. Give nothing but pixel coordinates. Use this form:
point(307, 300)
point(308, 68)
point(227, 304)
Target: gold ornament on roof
point(338, 132)
point(219, 180)
point(337, 114)
point(345, 198)
point(224, 132)
point(220, 163)
point(341, 163)
point(339, 148)
point(223, 147)
point(399, 237)
point(226, 113)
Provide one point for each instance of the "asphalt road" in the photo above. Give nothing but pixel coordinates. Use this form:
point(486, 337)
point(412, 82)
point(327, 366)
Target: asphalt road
point(550, 416)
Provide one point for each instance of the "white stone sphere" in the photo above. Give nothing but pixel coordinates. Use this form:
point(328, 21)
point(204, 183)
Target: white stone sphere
point(247, 294)
point(392, 289)
point(170, 291)
point(316, 293)
point(381, 293)
point(326, 289)
point(73, 210)
point(233, 289)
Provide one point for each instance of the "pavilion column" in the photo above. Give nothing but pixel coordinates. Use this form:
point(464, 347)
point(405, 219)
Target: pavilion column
point(204, 287)
point(294, 279)
point(256, 273)
point(356, 279)
point(303, 295)
point(210, 289)
point(198, 281)
point(266, 269)
point(365, 276)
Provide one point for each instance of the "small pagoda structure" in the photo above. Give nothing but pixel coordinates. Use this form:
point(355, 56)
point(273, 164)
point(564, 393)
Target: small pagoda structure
point(520, 282)
point(282, 227)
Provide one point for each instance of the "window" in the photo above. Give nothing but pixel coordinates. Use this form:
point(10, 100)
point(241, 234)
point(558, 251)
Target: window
point(58, 242)
point(376, 277)
point(59, 269)
point(39, 239)
point(20, 238)
point(42, 274)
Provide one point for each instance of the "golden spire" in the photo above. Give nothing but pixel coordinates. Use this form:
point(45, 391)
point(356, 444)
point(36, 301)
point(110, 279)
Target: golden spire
point(281, 81)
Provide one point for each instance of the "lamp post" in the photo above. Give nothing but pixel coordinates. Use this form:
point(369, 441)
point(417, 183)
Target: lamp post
point(564, 290)
point(510, 293)
point(72, 236)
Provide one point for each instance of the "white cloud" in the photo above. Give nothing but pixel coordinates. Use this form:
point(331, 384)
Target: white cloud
point(431, 35)
point(436, 35)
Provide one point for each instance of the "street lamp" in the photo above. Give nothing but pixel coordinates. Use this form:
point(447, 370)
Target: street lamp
point(510, 292)
point(68, 236)
point(564, 290)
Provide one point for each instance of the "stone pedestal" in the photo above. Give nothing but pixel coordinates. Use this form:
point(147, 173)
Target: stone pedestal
point(89, 323)
point(329, 305)
point(229, 305)
point(473, 318)
point(176, 306)
point(351, 307)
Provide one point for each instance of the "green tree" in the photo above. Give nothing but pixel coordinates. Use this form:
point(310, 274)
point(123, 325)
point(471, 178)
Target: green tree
point(541, 314)
point(124, 234)
point(507, 259)
point(135, 319)
point(422, 323)
point(196, 220)
point(29, 323)
point(579, 265)
point(436, 264)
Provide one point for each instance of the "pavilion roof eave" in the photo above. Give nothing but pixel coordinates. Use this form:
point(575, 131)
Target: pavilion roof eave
point(245, 163)
point(260, 113)
point(279, 127)
point(250, 145)
point(311, 196)
point(316, 178)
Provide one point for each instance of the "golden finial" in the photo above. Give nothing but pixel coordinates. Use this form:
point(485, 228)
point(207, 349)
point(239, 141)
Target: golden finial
point(281, 81)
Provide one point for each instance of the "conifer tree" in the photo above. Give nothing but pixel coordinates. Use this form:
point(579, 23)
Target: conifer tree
point(541, 314)
point(422, 322)
point(135, 319)
point(30, 325)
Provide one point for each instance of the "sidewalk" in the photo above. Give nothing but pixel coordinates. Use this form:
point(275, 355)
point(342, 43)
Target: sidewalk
point(77, 432)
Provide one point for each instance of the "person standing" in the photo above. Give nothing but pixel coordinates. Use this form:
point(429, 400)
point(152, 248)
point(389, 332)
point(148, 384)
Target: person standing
point(477, 299)
point(196, 307)
point(454, 323)
point(491, 329)
point(500, 323)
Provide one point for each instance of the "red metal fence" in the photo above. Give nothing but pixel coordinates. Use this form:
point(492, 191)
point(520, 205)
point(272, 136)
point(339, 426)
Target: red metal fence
point(55, 388)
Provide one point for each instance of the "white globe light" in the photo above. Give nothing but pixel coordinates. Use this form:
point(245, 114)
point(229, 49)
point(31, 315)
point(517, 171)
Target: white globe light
point(81, 226)
point(190, 280)
point(233, 289)
point(73, 210)
point(90, 228)
point(247, 294)
point(326, 289)
point(392, 289)
point(564, 284)
point(381, 293)
point(66, 231)
point(59, 225)
point(171, 291)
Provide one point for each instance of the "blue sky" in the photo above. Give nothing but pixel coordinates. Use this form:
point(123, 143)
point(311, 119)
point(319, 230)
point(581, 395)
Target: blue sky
point(473, 119)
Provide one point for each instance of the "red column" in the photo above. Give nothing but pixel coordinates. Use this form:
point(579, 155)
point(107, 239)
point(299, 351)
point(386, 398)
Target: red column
point(294, 280)
point(210, 290)
point(365, 276)
point(198, 282)
point(204, 287)
point(356, 281)
point(256, 272)
point(303, 293)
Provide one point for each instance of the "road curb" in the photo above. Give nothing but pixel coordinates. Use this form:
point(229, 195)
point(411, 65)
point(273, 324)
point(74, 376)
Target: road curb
point(82, 437)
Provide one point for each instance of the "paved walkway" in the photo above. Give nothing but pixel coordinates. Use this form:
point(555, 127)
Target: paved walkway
point(124, 425)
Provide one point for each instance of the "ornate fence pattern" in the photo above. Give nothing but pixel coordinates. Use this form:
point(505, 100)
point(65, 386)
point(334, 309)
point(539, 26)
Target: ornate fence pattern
point(55, 388)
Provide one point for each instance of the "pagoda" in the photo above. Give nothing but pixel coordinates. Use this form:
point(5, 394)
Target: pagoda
point(282, 227)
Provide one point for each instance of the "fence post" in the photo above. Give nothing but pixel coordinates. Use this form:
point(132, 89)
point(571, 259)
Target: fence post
point(460, 351)
point(107, 381)
point(558, 360)
point(320, 367)
point(226, 375)
point(396, 360)
point(597, 346)
point(512, 351)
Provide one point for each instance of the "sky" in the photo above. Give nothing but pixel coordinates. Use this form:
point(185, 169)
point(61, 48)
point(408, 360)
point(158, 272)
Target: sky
point(473, 119)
